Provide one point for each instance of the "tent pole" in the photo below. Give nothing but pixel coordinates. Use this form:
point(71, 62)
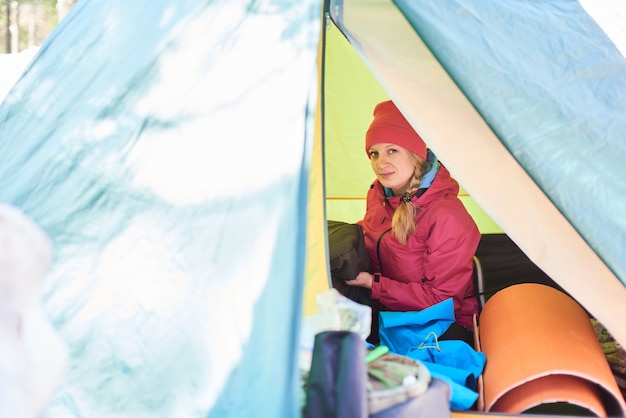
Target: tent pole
point(8, 28)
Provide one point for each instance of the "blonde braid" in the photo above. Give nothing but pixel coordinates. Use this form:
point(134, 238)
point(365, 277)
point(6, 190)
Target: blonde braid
point(403, 221)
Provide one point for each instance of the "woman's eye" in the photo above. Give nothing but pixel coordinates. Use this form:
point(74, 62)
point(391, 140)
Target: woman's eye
point(392, 151)
point(373, 154)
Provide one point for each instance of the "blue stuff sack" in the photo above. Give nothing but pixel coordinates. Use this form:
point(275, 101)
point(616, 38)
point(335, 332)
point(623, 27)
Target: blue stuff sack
point(416, 335)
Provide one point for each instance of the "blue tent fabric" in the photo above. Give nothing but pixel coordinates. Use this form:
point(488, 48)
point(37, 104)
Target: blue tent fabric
point(161, 146)
point(551, 84)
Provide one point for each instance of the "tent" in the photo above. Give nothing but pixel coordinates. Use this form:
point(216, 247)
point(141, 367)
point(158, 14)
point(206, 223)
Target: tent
point(184, 157)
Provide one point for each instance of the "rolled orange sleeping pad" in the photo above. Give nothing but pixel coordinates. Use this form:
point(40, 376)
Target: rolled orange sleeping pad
point(541, 349)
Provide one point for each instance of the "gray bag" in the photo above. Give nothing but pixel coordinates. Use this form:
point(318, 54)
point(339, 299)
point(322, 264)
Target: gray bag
point(341, 384)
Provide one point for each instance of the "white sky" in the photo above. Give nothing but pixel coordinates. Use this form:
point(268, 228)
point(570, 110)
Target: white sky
point(611, 16)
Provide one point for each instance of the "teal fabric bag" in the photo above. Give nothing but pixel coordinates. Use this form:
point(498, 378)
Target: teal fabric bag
point(416, 335)
point(401, 330)
point(461, 397)
point(455, 358)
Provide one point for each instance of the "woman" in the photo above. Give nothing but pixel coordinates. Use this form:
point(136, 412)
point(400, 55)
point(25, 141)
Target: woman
point(419, 236)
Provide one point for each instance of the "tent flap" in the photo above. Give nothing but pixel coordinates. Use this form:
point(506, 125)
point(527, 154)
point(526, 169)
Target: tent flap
point(165, 150)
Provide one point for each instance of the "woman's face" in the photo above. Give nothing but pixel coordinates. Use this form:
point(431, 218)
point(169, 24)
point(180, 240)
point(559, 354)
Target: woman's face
point(393, 166)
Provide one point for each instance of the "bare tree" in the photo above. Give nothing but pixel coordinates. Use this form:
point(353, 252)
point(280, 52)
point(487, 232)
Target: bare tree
point(8, 29)
point(63, 7)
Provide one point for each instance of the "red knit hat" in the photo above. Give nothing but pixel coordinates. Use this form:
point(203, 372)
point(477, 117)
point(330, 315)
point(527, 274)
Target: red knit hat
point(390, 126)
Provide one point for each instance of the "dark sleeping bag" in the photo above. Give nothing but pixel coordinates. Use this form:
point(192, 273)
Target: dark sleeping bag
point(348, 257)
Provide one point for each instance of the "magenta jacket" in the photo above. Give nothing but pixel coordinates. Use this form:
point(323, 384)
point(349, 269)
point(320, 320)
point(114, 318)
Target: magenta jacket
point(436, 262)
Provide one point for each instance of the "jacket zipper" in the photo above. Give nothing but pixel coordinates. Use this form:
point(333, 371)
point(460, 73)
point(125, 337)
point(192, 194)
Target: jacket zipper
point(380, 262)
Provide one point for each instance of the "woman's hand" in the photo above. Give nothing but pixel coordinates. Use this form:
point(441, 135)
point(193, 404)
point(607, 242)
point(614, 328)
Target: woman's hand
point(363, 279)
